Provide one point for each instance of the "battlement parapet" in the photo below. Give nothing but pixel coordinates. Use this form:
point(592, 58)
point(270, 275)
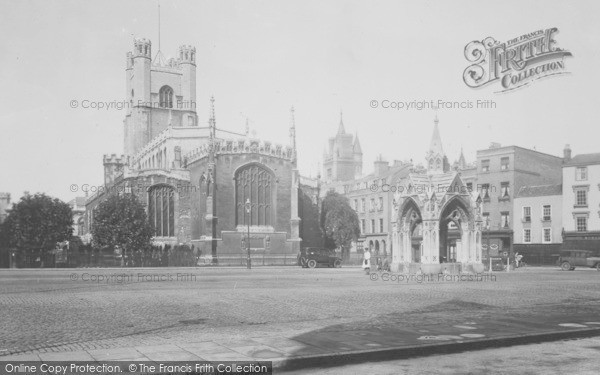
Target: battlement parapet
point(241, 146)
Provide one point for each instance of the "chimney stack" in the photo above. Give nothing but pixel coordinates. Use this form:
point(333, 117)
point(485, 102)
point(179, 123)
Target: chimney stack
point(381, 166)
point(567, 153)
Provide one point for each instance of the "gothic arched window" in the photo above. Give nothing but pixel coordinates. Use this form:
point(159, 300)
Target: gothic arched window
point(161, 210)
point(166, 97)
point(255, 183)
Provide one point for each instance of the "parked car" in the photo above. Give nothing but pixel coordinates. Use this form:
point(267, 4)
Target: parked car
point(312, 256)
point(569, 259)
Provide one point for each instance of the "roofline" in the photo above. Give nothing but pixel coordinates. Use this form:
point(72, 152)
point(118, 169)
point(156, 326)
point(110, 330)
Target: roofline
point(571, 164)
point(539, 196)
point(522, 148)
point(370, 176)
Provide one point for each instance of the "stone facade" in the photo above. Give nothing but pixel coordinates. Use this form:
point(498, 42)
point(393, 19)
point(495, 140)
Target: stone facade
point(78, 207)
point(436, 223)
point(193, 182)
point(371, 197)
point(538, 223)
point(581, 201)
point(501, 172)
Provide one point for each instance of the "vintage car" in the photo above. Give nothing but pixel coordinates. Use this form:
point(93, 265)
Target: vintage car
point(569, 259)
point(312, 256)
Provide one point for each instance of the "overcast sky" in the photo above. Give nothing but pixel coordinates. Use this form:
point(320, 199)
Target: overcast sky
point(259, 58)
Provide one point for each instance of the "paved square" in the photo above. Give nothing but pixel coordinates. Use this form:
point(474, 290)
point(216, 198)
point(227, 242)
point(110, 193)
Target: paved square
point(221, 312)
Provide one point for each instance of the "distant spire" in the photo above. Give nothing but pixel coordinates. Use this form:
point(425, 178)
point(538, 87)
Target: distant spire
point(159, 58)
point(247, 127)
point(462, 162)
point(435, 147)
point(341, 129)
point(356, 147)
point(158, 25)
point(436, 160)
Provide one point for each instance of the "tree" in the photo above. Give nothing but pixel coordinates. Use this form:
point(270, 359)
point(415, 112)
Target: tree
point(121, 221)
point(36, 224)
point(339, 223)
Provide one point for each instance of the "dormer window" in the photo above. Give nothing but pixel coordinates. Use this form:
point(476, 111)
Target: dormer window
point(166, 97)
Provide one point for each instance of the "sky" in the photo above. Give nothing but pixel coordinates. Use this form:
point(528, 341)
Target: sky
point(259, 58)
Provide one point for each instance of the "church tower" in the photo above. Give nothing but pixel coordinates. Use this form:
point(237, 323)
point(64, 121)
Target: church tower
point(161, 93)
point(436, 159)
point(343, 160)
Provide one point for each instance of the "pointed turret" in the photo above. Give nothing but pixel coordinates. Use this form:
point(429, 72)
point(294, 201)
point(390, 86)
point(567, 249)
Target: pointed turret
point(436, 140)
point(341, 130)
point(342, 161)
point(462, 162)
point(356, 147)
point(435, 156)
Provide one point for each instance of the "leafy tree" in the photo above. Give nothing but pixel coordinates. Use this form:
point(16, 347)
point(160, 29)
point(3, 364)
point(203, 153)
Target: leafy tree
point(339, 222)
point(121, 221)
point(37, 223)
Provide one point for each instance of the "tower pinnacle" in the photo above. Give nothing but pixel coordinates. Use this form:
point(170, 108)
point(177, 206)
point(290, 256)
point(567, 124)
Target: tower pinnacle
point(435, 146)
point(436, 159)
point(341, 129)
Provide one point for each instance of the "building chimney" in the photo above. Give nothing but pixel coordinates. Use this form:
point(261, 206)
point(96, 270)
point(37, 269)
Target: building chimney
point(567, 153)
point(380, 166)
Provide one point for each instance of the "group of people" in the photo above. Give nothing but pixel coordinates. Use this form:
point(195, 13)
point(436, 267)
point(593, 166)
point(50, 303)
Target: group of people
point(382, 265)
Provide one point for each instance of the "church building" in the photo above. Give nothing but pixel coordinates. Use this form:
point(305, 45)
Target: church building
point(201, 185)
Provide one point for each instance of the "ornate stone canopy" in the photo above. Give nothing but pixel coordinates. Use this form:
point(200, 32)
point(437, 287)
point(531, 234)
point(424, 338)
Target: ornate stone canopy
point(434, 203)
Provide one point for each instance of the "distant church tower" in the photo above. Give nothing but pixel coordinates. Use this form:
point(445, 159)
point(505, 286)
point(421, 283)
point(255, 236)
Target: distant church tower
point(343, 160)
point(160, 93)
point(437, 162)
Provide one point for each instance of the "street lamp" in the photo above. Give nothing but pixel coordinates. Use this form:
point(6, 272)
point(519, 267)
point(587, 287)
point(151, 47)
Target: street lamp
point(248, 211)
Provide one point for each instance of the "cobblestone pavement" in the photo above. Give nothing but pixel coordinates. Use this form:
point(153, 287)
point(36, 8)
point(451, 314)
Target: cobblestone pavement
point(68, 310)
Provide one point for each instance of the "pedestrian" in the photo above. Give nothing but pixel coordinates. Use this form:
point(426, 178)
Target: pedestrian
point(367, 261)
point(386, 265)
point(518, 258)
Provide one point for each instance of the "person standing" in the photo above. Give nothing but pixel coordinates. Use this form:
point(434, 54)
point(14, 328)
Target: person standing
point(367, 261)
point(518, 258)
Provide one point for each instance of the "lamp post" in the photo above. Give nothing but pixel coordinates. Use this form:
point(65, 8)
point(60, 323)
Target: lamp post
point(248, 211)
